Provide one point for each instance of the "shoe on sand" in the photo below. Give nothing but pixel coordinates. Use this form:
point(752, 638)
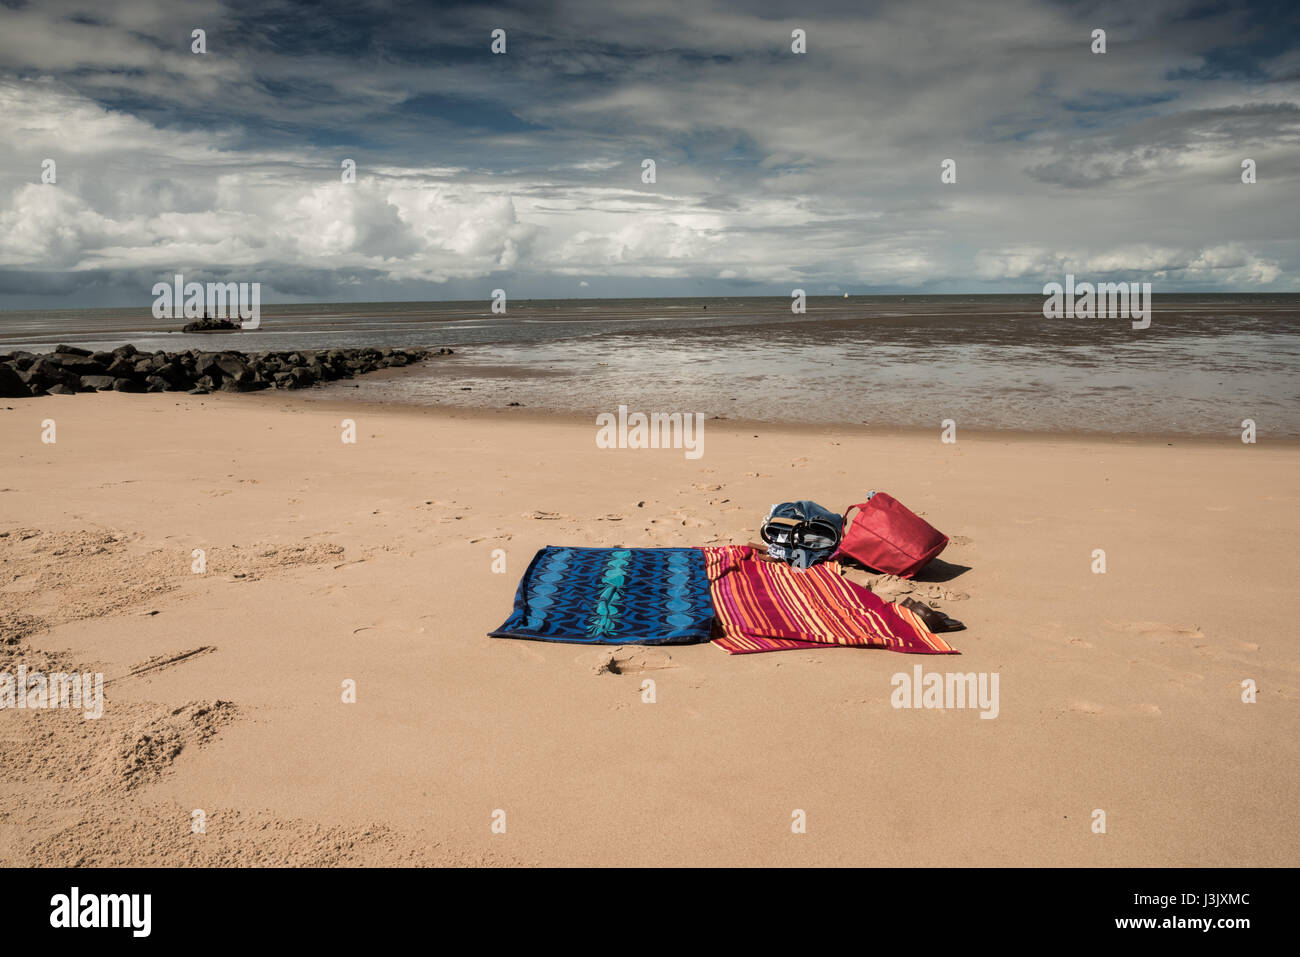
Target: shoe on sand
point(934, 619)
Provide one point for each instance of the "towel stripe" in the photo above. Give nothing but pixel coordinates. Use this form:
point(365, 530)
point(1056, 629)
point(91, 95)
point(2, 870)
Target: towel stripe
point(769, 606)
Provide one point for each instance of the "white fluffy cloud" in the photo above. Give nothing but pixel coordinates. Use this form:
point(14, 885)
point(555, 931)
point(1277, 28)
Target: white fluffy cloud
point(774, 170)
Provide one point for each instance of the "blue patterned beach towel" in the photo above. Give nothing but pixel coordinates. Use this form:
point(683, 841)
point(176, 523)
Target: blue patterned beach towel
point(613, 596)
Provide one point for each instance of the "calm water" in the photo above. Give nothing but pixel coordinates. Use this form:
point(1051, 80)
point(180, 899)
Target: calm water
point(993, 362)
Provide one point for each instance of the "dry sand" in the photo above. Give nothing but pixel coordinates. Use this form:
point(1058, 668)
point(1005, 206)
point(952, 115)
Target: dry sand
point(373, 562)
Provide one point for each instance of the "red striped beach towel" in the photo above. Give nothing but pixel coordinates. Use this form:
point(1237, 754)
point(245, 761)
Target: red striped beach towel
point(769, 606)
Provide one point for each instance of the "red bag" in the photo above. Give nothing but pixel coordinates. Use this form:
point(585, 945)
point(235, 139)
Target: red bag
point(889, 537)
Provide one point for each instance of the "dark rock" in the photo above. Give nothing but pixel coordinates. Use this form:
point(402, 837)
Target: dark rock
point(120, 367)
point(301, 377)
point(205, 364)
point(12, 385)
point(210, 325)
point(45, 372)
point(80, 365)
point(127, 369)
point(234, 367)
point(174, 374)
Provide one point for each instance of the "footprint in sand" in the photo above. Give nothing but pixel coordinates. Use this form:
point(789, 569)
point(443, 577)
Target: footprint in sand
point(390, 626)
point(707, 487)
point(1085, 707)
point(23, 583)
point(690, 521)
point(628, 661)
point(1188, 681)
point(961, 540)
point(679, 519)
point(939, 593)
point(1078, 642)
point(889, 587)
point(1160, 631)
point(542, 516)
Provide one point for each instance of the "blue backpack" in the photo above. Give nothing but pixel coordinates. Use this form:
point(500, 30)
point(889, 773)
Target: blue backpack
point(801, 533)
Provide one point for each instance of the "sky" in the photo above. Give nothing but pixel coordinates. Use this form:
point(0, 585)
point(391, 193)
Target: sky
point(524, 170)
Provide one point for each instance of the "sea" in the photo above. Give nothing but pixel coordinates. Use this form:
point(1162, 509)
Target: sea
point(1204, 365)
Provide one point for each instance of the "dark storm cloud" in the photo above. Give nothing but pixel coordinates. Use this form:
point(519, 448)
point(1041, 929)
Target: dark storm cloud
point(772, 168)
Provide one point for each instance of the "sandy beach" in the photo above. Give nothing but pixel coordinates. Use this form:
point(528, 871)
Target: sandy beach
point(373, 563)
